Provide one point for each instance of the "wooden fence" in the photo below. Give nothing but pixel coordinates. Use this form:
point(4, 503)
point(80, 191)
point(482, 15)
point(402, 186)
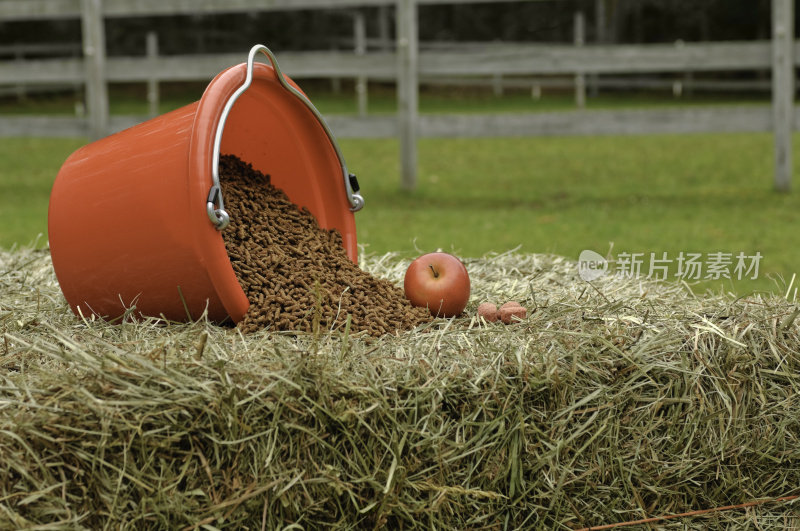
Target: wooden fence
point(407, 64)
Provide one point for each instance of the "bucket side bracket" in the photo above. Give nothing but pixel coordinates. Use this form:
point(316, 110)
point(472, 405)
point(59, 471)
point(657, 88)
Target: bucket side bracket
point(215, 208)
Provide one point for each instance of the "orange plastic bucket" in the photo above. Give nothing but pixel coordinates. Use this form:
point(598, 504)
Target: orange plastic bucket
point(135, 218)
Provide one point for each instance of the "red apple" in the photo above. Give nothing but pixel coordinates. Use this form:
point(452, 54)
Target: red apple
point(438, 281)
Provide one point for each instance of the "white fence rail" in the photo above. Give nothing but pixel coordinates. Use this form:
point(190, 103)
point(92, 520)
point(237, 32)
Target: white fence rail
point(407, 64)
point(492, 59)
point(49, 9)
point(475, 125)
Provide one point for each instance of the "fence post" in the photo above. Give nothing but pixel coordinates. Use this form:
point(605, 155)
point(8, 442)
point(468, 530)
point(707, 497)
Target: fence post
point(384, 26)
point(497, 85)
point(580, 78)
point(21, 90)
point(94, 57)
point(783, 90)
point(360, 34)
point(407, 90)
point(336, 81)
point(599, 38)
point(153, 96)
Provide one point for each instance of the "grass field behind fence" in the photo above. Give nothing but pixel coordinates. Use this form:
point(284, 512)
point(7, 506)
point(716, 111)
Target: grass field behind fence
point(131, 99)
point(707, 196)
point(703, 194)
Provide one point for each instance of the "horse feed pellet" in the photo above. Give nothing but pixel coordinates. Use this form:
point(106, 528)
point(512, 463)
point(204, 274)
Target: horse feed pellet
point(296, 275)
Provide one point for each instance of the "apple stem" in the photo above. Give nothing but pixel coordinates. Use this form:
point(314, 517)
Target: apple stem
point(435, 273)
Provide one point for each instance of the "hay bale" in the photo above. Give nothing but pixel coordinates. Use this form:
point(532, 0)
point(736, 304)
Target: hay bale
point(611, 402)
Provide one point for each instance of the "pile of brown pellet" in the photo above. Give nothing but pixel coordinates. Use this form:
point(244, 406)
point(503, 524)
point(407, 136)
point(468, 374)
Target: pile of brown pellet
point(296, 275)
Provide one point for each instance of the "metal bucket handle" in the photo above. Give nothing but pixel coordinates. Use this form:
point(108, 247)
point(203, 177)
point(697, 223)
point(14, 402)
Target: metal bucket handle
point(215, 205)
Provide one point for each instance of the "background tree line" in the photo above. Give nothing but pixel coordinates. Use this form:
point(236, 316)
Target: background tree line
point(625, 21)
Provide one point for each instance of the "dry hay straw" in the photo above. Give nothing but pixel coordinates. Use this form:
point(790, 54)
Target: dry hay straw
point(614, 401)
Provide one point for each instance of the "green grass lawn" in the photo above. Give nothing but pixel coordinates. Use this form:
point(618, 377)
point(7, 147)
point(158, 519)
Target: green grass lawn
point(28, 167)
point(649, 194)
point(131, 99)
point(382, 100)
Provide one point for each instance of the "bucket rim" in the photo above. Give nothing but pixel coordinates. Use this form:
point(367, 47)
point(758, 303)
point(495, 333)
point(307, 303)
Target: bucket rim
point(209, 243)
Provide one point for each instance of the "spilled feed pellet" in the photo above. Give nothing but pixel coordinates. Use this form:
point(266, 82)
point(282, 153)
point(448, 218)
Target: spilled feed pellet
point(296, 275)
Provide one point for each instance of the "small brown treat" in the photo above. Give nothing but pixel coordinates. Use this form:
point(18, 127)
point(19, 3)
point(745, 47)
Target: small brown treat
point(511, 304)
point(507, 313)
point(488, 311)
